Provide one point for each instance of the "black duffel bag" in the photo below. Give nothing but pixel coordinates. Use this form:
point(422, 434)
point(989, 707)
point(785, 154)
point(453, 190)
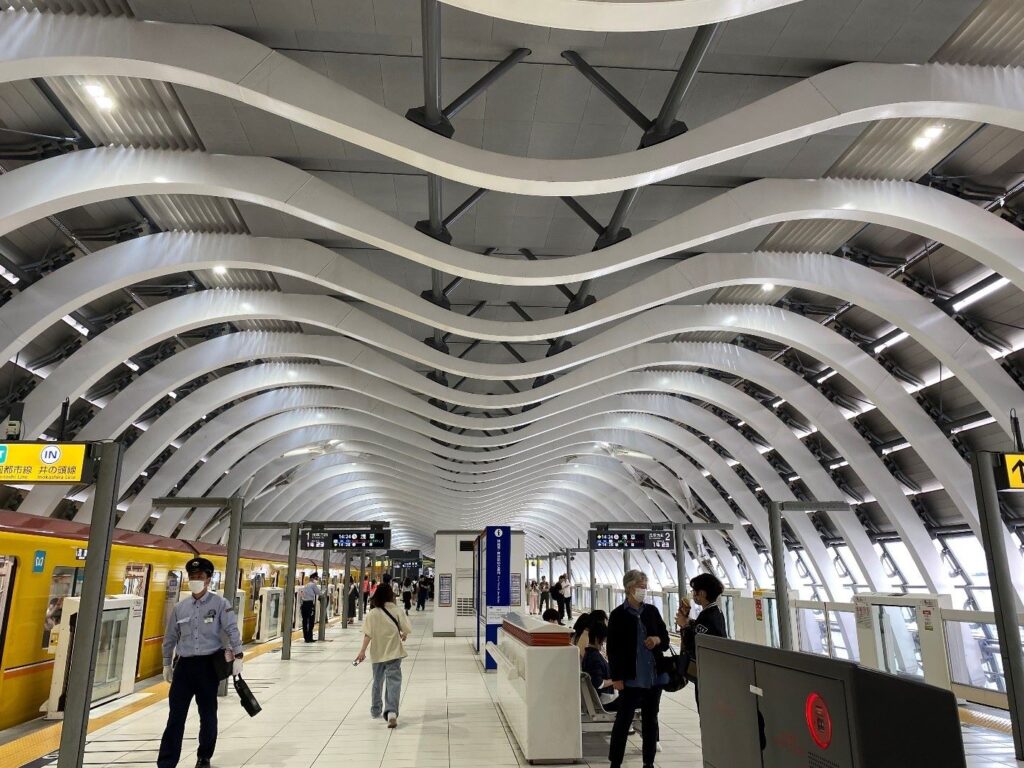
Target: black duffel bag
point(249, 703)
point(676, 666)
point(222, 666)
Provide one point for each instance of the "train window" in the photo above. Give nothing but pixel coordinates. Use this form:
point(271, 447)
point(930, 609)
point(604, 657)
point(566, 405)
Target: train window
point(64, 582)
point(215, 581)
point(136, 579)
point(8, 565)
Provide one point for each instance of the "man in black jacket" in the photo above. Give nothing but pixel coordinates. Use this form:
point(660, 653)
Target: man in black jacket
point(637, 637)
point(711, 621)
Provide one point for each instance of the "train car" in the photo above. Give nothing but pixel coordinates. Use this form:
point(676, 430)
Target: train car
point(42, 561)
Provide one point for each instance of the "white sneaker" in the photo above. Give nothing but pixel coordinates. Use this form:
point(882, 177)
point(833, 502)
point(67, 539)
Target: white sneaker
point(392, 721)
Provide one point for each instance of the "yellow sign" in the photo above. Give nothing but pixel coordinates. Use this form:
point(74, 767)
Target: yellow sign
point(1013, 463)
point(42, 462)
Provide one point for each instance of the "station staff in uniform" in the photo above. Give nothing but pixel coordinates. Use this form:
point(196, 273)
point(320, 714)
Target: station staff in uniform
point(196, 633)
point(309, 595)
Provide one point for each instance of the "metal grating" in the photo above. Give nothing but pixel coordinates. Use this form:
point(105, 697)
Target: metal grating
point(75, 7)
point(194, 213)
point(147, 114)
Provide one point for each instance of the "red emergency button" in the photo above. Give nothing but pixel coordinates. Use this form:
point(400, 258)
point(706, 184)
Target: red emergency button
point(819, 721)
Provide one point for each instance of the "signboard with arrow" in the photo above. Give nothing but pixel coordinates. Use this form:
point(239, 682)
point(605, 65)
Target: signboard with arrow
point(1010, 472)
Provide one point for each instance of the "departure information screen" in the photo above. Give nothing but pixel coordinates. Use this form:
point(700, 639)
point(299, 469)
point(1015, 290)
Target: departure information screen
point(632, 540)
point(368, 538)
point(372, 538)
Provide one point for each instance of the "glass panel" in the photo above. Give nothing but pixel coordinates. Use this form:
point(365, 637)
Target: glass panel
point(136, 579)
point(7, 568)
point(973, 652)
point(110, 657)
point(812, 633)
point(771, 622)
point(728, 604)
point(901, 645)
point(843, 633)
point(275, 608)
point(64, 582)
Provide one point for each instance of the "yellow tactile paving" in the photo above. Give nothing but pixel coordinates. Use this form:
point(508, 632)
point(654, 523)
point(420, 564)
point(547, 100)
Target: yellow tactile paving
point(46, 740)
point(983, 720)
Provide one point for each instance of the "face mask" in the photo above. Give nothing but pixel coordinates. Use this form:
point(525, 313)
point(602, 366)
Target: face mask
point(640, 595)
point(196, 585)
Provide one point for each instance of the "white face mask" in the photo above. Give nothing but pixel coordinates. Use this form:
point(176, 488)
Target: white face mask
point(196, 585)
point(640, 595)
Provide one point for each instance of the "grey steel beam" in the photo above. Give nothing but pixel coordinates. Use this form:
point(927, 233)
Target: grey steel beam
point(609, 90)
point(325, 578)
point(984, 466)
point(563, 288)
point(362, 573)
point(485, 82)
point(592, 558)
point(289, 591)
point(462, 208)
point(583, 213)
point(430, 17)
point(699, 46)
point(235, 507)
point(778, 549)
point(346, 589)
point(82, 670)
point(192, 501)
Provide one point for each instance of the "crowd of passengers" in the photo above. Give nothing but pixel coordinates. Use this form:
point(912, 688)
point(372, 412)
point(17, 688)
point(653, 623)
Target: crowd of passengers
point(624, 653)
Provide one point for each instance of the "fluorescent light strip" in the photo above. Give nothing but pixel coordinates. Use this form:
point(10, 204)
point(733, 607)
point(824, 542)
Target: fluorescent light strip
point(901, 336)
point(9, 276)
point(981, 293)
point(76, 325)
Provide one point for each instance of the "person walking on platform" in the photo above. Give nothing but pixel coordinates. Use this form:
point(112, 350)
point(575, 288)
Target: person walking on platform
point(385, 629)
point(545, 593)
point(637, 637)
point(407, 594)
point(422, 594)
point(194, 634)
point(566, 595)
point(366, 590)
point(353, 597)
point(309, 595)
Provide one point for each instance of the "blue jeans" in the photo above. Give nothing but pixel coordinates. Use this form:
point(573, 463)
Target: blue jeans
point(387, 675)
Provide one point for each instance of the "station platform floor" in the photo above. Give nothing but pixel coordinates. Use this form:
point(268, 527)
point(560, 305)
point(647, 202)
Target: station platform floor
point(316, 714)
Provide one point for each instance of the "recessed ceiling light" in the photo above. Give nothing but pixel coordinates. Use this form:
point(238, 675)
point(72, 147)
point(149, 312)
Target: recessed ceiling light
point(933, 131)
point(95, 90)
point(105, 102)
point(922, 142)
point(292, 374)
point(220, 269)
point(768, 287)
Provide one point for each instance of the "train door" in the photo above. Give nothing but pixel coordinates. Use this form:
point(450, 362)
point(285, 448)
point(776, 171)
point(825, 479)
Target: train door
point(136, 583)
point(8, 565)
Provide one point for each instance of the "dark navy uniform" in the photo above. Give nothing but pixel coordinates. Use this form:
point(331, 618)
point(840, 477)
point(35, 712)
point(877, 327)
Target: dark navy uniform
point(197, 630)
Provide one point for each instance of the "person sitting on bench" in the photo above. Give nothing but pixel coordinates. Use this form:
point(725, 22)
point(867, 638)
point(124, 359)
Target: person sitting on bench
point(596, 665)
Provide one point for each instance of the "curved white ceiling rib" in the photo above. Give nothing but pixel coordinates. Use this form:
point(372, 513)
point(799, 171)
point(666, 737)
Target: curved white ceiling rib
point(120, 342)
point(94, 175)
point(608, 16)
point(216, 60)
point(170, 310)
point(71, 287)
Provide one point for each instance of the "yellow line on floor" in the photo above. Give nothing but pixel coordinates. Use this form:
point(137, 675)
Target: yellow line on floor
point(984, 720)
point(46, 740)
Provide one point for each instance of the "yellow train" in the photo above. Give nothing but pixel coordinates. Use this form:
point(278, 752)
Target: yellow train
point(42, 561)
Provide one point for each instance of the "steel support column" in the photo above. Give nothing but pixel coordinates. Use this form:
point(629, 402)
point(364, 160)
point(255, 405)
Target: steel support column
point(82, 669)
point(1004, 601)
point(289, 591)
point(325, 578)
point(345, 590)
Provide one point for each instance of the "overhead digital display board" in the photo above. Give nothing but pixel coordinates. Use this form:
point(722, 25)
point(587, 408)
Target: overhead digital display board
point(346, 538)
point(632, 539)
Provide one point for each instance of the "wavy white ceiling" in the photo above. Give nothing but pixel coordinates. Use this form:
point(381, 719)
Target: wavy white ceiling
point(684, 394)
